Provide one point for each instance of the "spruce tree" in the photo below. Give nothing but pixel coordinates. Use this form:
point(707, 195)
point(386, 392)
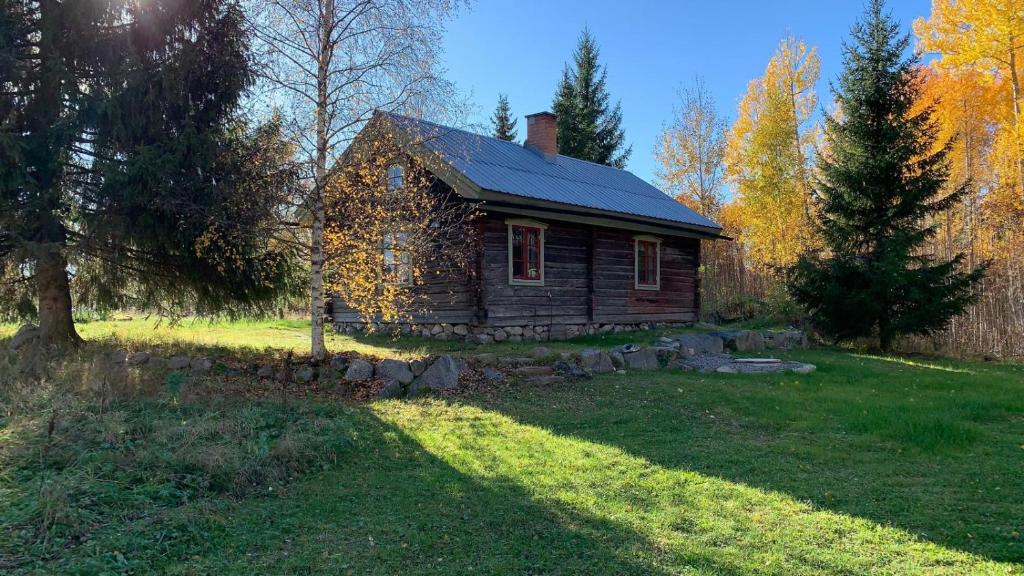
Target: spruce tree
point(589, 128)
point(126, 177)
point(882, 180)
point(503, 122)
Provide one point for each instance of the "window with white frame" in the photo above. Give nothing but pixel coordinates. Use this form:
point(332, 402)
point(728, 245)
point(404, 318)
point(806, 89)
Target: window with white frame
point(647, 256)
point(396, 177)
point(397, 260)
point(525, 252)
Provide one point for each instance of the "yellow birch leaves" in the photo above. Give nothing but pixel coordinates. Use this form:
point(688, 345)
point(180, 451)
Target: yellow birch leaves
point(768, 155)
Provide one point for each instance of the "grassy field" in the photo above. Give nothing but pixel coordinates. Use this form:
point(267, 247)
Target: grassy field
point(869, 466)
point(277, 337)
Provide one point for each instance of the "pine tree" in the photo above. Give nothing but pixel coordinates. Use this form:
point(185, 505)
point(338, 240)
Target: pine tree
point(124, 162)
point(880, 184)
point(588, 127)
point(503, 122)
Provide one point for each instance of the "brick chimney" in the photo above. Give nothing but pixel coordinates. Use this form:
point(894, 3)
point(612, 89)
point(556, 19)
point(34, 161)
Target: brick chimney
point(542, 133)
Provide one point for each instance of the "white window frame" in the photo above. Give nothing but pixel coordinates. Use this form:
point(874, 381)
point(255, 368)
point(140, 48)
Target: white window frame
point(400, 258)
point(401, 175)
point(636, 262)
point(512, 280)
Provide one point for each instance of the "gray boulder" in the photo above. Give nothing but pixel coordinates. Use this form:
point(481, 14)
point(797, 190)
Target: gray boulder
point(570, 370)
point(644, 359)
point(391, 369)
point(699, 344)
point(749, 341)
point(304, 374)
point(618, 360)
point(530, 371)
point(266, 371)
point(742, 340)
point(443, 374)
point(511, 362)
point(27, 334)
point(117, 357)
point(804, 369)
point(391, 389)
point(597, 362)
point(417, 367)
point(137, 358)
point(666, 353)
point(201, 364)
point(339, 363)
point(483, 339)
point(178, 362)
point(487, 359)
point(493, 375)
point(359, 369)
point(500, 335)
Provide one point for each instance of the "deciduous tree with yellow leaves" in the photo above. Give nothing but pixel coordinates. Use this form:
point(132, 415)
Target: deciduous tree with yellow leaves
point(985, 35)
point(392, 230)
point(974, 86)
point(767, 154)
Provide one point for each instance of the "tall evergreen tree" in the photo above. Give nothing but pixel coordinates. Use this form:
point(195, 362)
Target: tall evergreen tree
point(125, 175)
point(589, 128)
point(881, 182)
point(503, 122)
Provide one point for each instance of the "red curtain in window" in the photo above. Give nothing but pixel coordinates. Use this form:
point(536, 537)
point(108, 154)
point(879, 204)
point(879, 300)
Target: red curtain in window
point(526, 253)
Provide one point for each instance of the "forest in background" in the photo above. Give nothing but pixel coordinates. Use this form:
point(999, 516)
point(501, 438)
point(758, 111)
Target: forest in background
point(767, 159)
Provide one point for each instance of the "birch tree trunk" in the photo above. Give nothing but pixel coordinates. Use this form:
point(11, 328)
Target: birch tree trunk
point(316, 269)
point(1015, 84)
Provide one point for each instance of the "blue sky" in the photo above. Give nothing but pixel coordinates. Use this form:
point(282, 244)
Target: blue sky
point(651, 49)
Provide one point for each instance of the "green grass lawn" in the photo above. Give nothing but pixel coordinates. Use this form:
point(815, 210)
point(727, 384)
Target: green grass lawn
point(868, 466)
point(277, 337)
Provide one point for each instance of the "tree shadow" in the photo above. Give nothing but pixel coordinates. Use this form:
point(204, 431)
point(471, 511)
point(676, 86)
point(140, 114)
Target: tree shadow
point(945, 497)
point(395, 508)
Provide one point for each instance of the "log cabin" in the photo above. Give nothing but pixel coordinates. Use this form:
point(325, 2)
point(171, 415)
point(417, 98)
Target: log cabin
point(566, 247)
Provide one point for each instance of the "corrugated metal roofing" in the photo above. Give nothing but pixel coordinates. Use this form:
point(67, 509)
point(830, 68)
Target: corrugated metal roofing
point(507, 167)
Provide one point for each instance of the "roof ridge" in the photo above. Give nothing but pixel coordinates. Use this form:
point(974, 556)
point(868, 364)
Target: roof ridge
point(508, 142)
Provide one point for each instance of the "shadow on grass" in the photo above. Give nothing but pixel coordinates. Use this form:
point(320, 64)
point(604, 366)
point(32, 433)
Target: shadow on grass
point(936, 457)
point(396, 508)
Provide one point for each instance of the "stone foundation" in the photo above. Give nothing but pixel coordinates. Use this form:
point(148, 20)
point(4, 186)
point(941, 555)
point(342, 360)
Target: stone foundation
point(489, 334)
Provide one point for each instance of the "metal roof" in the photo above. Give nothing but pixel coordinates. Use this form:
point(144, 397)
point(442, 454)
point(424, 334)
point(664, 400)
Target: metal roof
point(500, 166)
